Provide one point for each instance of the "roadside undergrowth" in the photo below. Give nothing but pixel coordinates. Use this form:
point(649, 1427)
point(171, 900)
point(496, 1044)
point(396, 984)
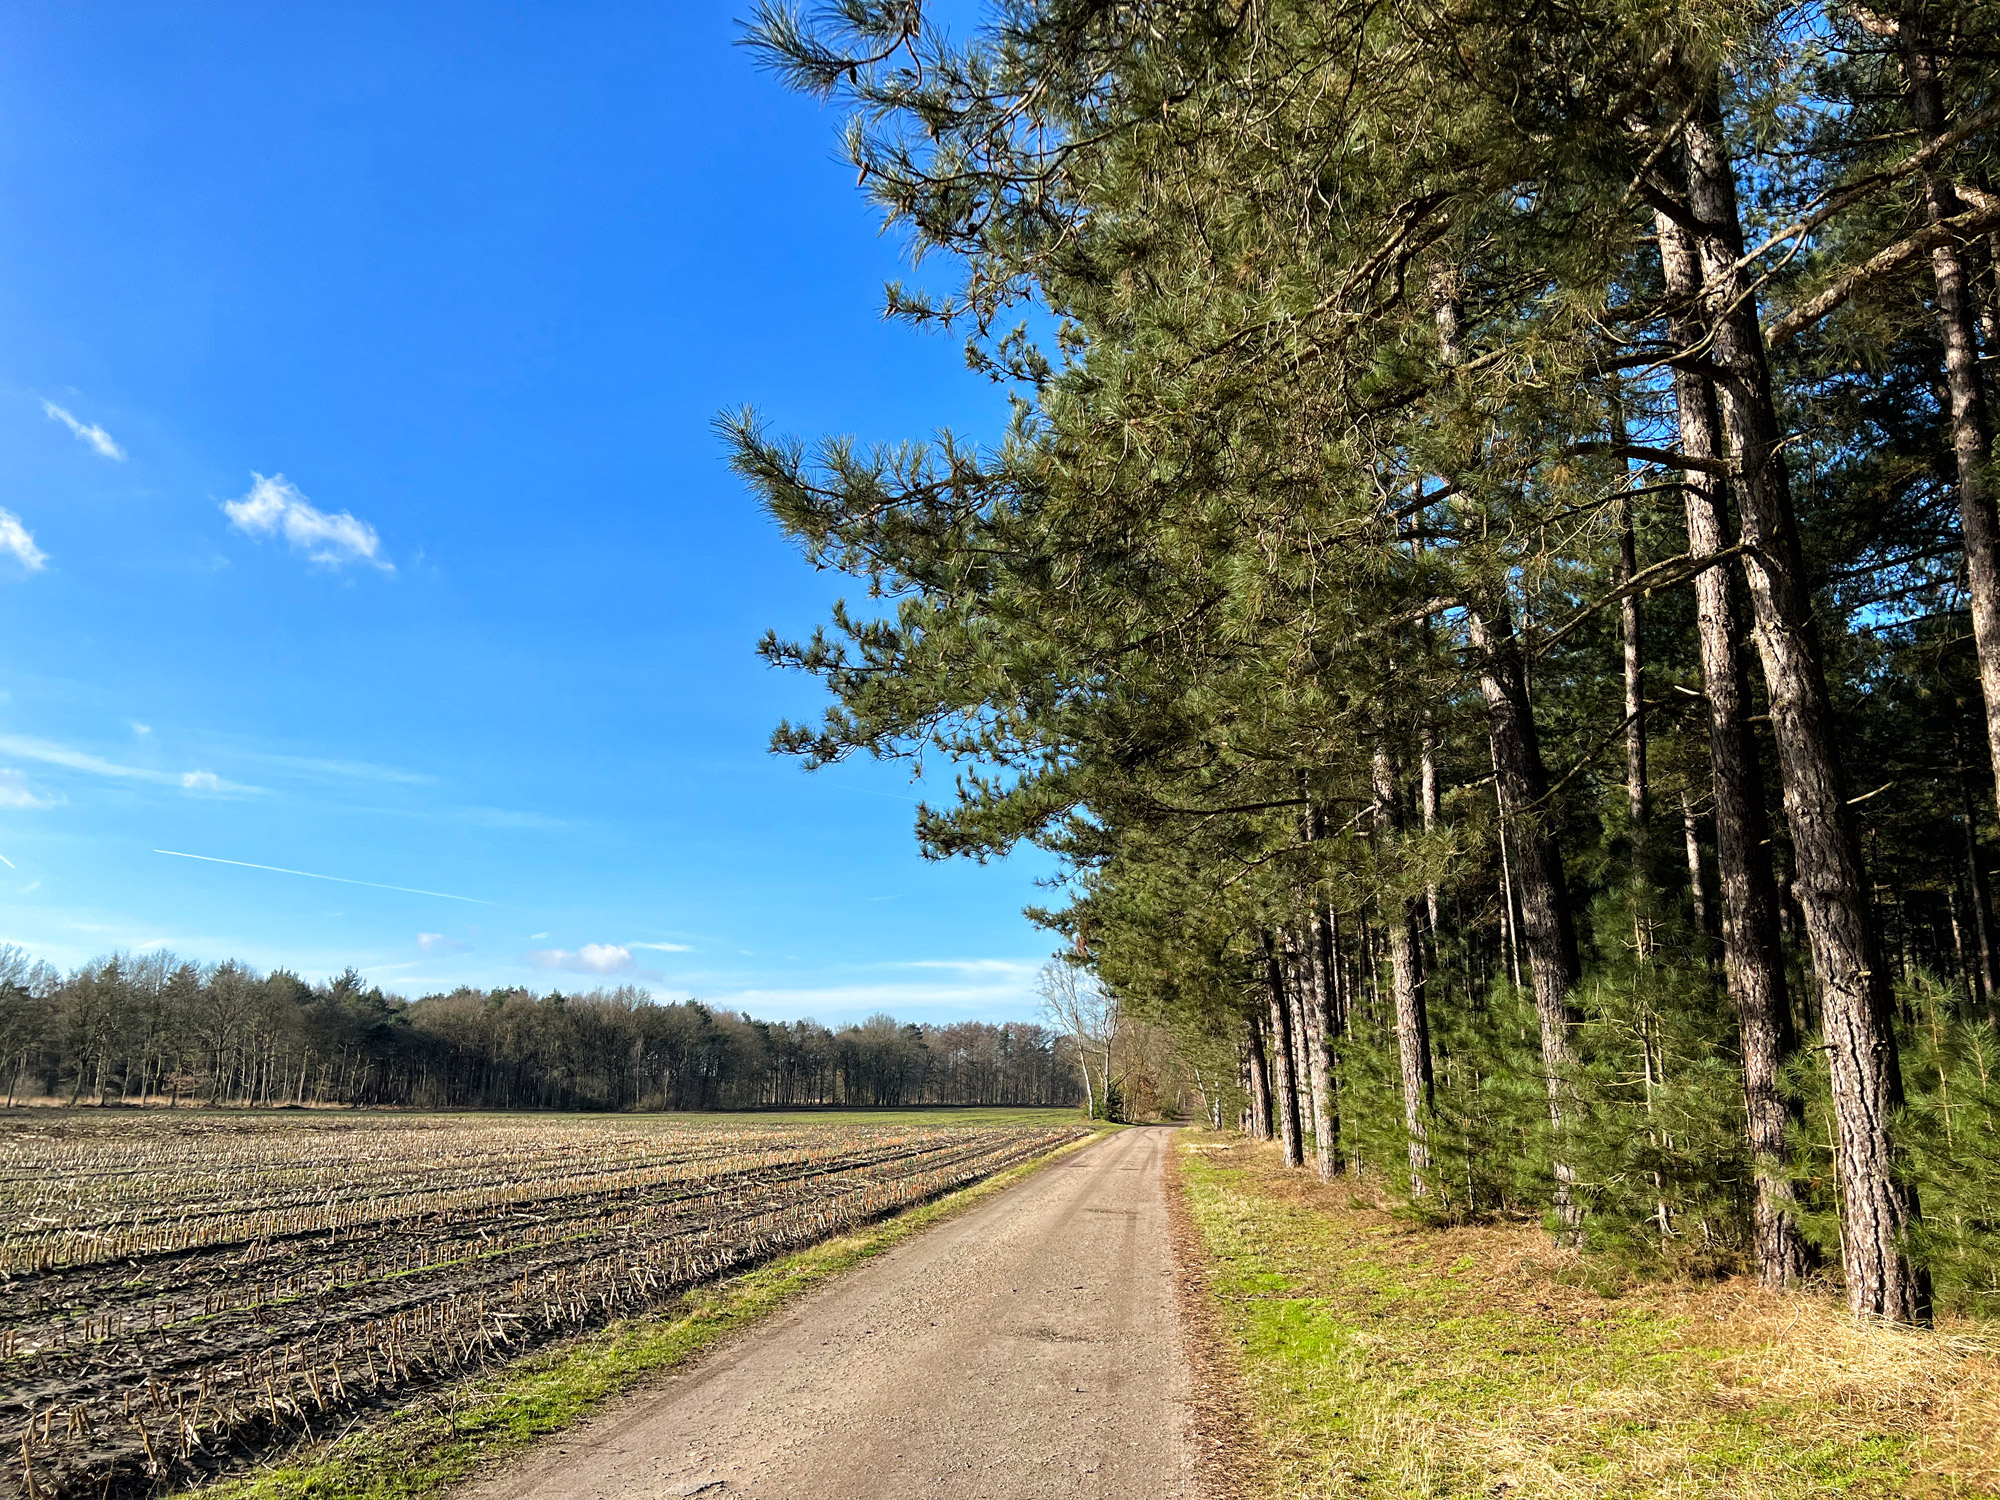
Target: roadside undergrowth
point(445, 1437)
point(1383, 1358)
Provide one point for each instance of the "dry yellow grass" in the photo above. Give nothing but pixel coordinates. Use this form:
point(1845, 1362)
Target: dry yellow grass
point(1384, 1358)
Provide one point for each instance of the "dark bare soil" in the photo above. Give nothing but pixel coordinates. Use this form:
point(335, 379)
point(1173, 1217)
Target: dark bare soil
point(160, 1322)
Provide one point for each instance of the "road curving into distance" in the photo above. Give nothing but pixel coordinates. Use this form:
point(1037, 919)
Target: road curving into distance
point(1028, 1348)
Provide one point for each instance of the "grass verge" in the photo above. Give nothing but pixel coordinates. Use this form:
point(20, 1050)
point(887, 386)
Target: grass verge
point(444, 1437)
point(1378, 1358)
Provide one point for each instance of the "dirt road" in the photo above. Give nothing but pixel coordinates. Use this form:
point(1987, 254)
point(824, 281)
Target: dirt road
point(1030, 1348)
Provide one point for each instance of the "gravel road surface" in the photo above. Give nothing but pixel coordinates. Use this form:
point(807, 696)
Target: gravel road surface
point(1030, 1347)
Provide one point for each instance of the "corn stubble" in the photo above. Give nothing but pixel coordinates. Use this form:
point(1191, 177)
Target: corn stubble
point(180, 1296)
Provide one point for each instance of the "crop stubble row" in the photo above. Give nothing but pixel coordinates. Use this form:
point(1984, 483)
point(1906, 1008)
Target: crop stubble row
point(177, 1294)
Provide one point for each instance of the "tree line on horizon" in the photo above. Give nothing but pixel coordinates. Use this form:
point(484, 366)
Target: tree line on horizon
point(1490, 584)
point(152, 1029)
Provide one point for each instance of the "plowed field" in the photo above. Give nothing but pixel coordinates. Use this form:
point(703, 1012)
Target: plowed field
point(180, 1293)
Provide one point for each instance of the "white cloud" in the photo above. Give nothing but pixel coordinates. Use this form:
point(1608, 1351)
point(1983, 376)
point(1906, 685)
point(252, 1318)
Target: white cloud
point(591, 958)
point(28, 748)
point(75, 760)
point(437, 942)
point(138, 728)
point(94, 435)
point(15, 792)
point(604, 958)
point(274, 506)
point(536, 937)
point(663, 947)
point(20, 542)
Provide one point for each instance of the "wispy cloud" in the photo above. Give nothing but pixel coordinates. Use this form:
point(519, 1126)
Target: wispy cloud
point(244, 864)
point(19, 543)
point(89, 433)
point(663, 947)
point(501, 817)
point(1013, 967)
point(274, 507)
point(436, 810)
point(437, 942)
point(52, 754)
point(140, 729)
point(351, 770)
point(591, 958)
point(15, 792)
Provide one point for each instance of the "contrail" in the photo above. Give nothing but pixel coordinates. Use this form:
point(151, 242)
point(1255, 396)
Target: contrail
point(4, 860)
point(407, 890)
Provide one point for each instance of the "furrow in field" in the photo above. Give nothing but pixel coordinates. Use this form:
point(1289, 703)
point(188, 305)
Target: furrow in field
point(146, 1341)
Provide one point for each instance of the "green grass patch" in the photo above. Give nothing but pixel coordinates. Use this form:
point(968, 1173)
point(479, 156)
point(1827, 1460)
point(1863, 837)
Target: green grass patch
point(445, 1436)
point(1384, 1358)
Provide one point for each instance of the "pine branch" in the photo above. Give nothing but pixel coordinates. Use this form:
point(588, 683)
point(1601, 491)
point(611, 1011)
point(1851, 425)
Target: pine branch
point(1882, 263)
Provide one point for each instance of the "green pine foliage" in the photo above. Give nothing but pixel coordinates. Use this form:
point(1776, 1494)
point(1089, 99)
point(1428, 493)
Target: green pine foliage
point(1360, 369)
point(1660, 1141)
point(1951, 1130)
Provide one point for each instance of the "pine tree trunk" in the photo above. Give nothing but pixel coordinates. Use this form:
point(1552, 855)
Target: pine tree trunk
point(1989, 305)
point(1971, 425)
point(1510, 927)
point(1299, 999)
point(1413, 1032)
point(1413, 1046)
point(1635, 692)
point(1432, 804)
point(1284, 1095)
point(1967, 979)
point(1877, 1208)
point(1982, 922)
point(1752, 955)
point(1547, 933)
point(1636, 801)
point(1260, 1083)
point(1697, 884)
point(1320, 1034)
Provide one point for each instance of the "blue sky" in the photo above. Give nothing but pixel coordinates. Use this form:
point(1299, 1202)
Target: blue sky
point(363, 516)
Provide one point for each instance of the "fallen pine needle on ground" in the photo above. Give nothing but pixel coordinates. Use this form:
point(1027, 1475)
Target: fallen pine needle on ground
point(1380, 1357)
